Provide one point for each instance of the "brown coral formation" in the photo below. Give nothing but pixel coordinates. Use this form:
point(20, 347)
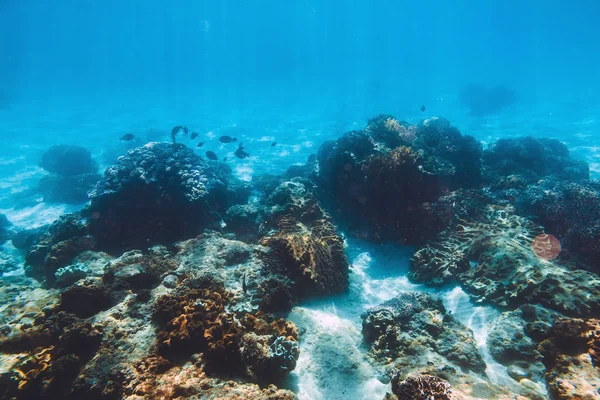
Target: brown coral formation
point(571, 356)
point(421, 387)
point(197, 322)
point(316, 254)
point(305, 245)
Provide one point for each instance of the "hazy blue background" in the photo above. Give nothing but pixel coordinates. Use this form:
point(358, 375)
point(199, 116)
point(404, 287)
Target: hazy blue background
point(369, 51)
point(87, 71)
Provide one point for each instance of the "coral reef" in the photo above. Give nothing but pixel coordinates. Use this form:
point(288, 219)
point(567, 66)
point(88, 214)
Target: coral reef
point(414, 324)
point(67, 160)
point(198, 322)
point(71, 189)
point(511, 163)
point(571, 354)
point(63, 240)
point(381, 181)
point(158, 193)
point(571, 212)
point(492, 258)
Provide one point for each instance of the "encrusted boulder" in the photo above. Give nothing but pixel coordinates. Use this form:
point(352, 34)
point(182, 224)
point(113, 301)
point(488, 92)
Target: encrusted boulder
point(514, 337)
point(396, 327)
point(304, 243)
point(571, 354)
point(495, 260)
point(157, 194)
point(57, 247)
point(421, 387)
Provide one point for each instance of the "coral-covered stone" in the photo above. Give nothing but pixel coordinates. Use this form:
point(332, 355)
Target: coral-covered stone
point(157, 193)
point(393, 328)
point(421, 387)
point(531, 159)
point(493, 259)
point(63, 240)
point(305, 245)
point(571, 354)
point(381, 181)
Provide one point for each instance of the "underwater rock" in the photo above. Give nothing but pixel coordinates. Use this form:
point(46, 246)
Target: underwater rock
point(135, 270)
point(492, 258)
point(4, 228)
point(62, 241)
point(85, 300)
point(72, 189)
point(157, 194)
point(571, 212)
point(514, 338)
point(483, 100)
point(515, 162)
point(67, 160)
point(421, 387)
point(243, 220)
point(396, 326)
point(571, 354)
point(380, 181)
point(304, 243)
point(267, 358)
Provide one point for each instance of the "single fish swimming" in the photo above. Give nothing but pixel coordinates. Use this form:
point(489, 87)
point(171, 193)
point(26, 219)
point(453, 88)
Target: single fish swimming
point(194, 135)
point(240, 153)
point(423, 107)
point(211, 156)
point(227, 139)
point(127, 137)
point(185, 130)
point(175, 131)
point(273, 144)
point(200, 144)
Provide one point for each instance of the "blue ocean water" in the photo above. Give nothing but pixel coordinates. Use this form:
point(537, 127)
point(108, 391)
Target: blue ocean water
point(86, 72)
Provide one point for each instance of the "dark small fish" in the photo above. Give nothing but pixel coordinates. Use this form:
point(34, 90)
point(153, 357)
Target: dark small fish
point(244, 285)
point(127, 137)
point(185, 130)
point(227, 139)
point(200, 144)
point(240, 153)
point(273, 144)
point(225, 159)
point(211, 155)
point(175, 131)
point(194, 135)
point(423, 107)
